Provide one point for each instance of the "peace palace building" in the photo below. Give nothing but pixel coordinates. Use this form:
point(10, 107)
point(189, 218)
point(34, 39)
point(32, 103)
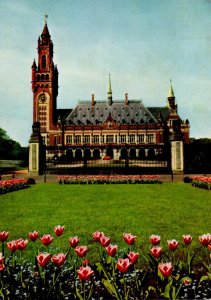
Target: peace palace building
point(97, 129)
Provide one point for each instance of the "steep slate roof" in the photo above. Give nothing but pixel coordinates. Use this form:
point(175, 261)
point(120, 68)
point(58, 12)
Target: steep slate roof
point(133, 113)
point(160, 112)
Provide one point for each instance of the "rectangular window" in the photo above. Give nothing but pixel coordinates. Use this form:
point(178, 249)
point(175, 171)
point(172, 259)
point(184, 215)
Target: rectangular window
point(78, 139)
point(96, 139)
point(87, 139)
point(141, 138)
point(69, 139)
point(109, 138)
point(150, 138)
point(123, 138)
point(132, 138)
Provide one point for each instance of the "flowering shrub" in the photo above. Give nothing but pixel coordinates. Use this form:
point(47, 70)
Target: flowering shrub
point(118, 274)
point(202, 182)
point(11, 185)
point(111, 179)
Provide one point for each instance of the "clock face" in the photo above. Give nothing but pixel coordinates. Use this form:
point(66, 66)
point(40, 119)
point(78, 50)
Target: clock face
point(42, 97)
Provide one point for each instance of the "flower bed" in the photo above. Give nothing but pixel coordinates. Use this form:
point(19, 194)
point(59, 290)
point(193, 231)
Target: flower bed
point(202, 182)
point(109, 179)
point(11, 185)
point(166, 274)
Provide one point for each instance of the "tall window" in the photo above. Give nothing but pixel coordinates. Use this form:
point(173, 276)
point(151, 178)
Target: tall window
point(87, 139)
point(69, 139)
point(123, 138)
point(141, 138)
point(96, 139)
point(78, 139)
point(132, 138)
point(150, 138)
point(44, 61)
point(109, 138)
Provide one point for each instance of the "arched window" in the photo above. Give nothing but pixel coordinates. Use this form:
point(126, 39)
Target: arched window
point(46, 77)
point(38, 77)
point(44, 61)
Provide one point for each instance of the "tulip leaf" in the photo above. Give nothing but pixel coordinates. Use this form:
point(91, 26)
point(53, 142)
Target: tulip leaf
point(204, 278)
point(110, 288)
point(78, 294)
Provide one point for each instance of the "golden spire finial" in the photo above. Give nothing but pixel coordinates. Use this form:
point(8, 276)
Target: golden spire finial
point(45, 18)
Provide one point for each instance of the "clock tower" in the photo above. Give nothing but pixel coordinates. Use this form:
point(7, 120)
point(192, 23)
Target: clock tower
point(45, 85)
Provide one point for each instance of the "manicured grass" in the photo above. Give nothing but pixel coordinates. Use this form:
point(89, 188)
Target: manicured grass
point(169, 209)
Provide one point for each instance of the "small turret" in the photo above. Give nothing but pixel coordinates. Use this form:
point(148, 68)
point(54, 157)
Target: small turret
point(171, 98)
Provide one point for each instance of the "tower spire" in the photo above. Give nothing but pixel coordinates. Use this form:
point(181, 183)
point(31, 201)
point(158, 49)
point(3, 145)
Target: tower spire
point(171, 91)
point(45, 18)
point(109, 93)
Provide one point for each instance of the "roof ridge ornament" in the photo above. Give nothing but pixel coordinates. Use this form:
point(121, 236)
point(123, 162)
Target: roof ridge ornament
point(45, 18)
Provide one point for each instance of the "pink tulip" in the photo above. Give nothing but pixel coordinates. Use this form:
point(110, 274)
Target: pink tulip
point(123, 264)
point(43, 259)
point(33, 236)
point(155, 239)
point(205, 239)
point(187, 239)
point(58, 259)
point(4, 236)
point(133, 257)
point(97, 235)
point(2, 267)
point(84, 273)
point(21, 244)
point(12, 246)
point(111, 250)
point(46, 239)
point(81, 251)
point(173, 245)
point(74, 241)
point(59, 230)
point(129, 238)
point(165, 269)
point(105, 240)
point(156, 251)
point(1, 259)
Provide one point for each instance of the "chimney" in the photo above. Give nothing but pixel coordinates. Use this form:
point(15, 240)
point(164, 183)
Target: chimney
point(126, 99)
point(93, 100)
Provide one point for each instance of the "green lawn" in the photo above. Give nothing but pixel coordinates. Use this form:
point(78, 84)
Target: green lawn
point(169, 209)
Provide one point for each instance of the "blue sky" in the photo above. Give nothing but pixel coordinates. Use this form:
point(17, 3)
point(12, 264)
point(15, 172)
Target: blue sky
point(141, 43)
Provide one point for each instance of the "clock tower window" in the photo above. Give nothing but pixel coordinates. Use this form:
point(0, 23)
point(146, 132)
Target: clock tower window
point(44, 61)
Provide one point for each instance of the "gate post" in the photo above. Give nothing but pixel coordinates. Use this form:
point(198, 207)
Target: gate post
point(36, 155)
point(177, 149)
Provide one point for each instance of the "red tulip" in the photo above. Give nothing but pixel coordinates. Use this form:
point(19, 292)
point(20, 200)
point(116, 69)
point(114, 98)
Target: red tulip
point(74, 241)
point(85, 262)
point(156, 251)
point(105, 240)
point(205, 239)
point(111, 250)
point(4, 236)
point(33, 236)
point(81, 251)
point(58, 230)
point(43, 259)
point(46, 239)
point(84, 273)
point(129, 238)
point(58, 259)
point(123, 264)
point(173, 245)
point(133, 257)
point(97, 235)
point(2, 268)
point(209, 246)
point(155, 239)
point(21, 244)
point(12, 246)
point(165, 269)
point(187, 239)
point(1, 259)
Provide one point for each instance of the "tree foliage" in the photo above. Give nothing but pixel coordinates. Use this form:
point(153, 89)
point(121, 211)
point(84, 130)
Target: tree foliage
point(10, 149)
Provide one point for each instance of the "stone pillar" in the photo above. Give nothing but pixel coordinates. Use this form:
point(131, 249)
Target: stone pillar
point(36, 151)
point(177, 149)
